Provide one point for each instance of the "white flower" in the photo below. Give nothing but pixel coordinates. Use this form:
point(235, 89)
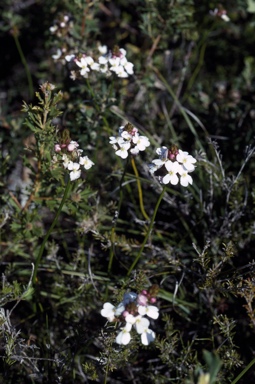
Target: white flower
point(163, 158)
point(57, 55)
point(86, 162)
point(141, 142)
point(75, 170)
point(125, 135)
point(149, 310)
point(89, 60)
point(120, 72)
point(171, 176)
point(134, 150)
point(147, 336)
point(113, 140)
point(123, 52)
point(69, 58)
point(225, 17)
point(123, 151)
point(220, 13)
point(185, 178)
point(103, 60)
point(187, 160)
point(95, 67)
point(102, 49)
point(141, 324)
point(53, 29)
point(83, 64)
point(115, 62)
point(65, 160)
point(116, 142)
point(129, 68)
point(108, 311)
point(157, 163)
point(124, 336)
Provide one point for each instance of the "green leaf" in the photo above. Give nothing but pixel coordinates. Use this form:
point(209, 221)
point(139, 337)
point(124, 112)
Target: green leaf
point(214, 364)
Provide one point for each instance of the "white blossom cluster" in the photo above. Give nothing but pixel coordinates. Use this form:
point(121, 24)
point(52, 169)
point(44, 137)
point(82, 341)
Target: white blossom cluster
point(107, 62)
point(131, 312)
point(173, 166)
point(61, 26)
point(129, 140)
point(72, 159)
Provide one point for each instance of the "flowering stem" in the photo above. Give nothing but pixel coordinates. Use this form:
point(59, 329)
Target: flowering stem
point(39, 256)
point(243, 371)
point(115, 220)
point(140, 192)
point(148, 232)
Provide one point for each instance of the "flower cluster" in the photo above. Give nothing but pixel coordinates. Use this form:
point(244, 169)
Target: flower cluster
point(61, 26)
point(131, 312)
point(173, 166)
point(72, 159)
point(128, 140)
point(106, 62)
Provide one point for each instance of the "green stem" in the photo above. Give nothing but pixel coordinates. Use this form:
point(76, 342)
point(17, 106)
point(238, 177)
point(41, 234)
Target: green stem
point(179, 105)
point(113, 230)
point(243, 371)
point(39, 256)
point(24, 62)
point(140, 192)
point(147, 234)
point(197, 69)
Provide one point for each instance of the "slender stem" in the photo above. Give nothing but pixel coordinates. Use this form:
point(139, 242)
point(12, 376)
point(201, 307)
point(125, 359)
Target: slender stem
point(147, 234)
point(197, 69)
point(24, 62)
point(243, 372)
point(140, 192)
point(39, 256)
point(179, 105)
point(113, 230)
point(107, 369)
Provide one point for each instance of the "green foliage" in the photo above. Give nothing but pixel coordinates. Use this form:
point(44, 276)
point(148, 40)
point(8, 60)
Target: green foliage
point(170, 21)
point(69, 246)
